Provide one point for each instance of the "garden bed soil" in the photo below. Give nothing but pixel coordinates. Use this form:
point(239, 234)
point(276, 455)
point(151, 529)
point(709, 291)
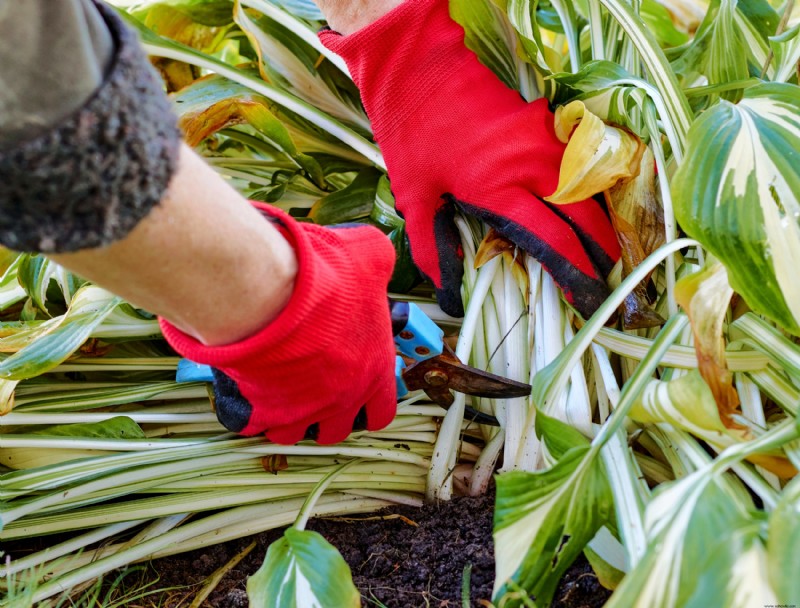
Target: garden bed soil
point(400, 558)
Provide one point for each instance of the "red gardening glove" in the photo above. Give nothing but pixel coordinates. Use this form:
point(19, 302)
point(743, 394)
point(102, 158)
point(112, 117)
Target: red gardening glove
point(328, 357)
point(454, 136)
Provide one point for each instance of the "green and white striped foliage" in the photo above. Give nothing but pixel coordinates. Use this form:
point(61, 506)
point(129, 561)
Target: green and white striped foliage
point(786, 49)
point(50, 343)
point(302, 570)
point(35, 273)
point(490, 36)
point(704, 549)
point(543, 520)
point(739, 194)
point(608, 91)
point(782, 544)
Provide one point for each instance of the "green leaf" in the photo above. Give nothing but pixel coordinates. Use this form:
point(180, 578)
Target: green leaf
point(786, 49)
point(11, 291)
point(727, 61)
point(54, 342)
point(738, 193)
point(118, 427)
point(35, 273)
point(288, 61)
point(782, 544)
point(528, 17)
point(355, 202)
point(703, 550)
point(487, 34)
point(658, 19)
point(302, 570)
point(209, 13)
point(542, 522)
point(608, 91)
point(303, 113)
point(305, 9)
point(558, 436)
point(215, 102)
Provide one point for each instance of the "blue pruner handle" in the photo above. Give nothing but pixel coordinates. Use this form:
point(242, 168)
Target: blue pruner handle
point(415, 334)
point(399, 366)
point(189, 371)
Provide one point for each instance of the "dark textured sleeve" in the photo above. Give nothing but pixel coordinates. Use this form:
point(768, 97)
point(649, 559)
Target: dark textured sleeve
point(88, 140)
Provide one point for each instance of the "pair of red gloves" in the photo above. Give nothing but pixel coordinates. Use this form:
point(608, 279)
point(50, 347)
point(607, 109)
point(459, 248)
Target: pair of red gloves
point(454, 138)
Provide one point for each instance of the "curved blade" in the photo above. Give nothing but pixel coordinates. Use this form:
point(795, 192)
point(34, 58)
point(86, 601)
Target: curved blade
point(446, 372)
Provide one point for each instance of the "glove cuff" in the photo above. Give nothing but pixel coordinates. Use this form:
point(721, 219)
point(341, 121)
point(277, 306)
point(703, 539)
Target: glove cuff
point(399, 60)
point(89, 181)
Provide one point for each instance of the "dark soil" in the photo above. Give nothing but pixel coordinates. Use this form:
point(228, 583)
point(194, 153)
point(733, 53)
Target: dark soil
point(401, 558)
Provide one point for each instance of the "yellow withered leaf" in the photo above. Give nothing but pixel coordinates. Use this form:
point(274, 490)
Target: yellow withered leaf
point(597, 155)
point(494, 244)
point(705, 296)
point(638, 219)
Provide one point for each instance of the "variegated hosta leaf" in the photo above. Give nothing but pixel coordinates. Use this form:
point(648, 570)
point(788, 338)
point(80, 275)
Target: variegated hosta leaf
point(286, 59)
point(686, 14)
point(738, 193)
point(688, 404)
point(727, 57)
point(705, 296)
point(660, 21)
point(786, 49)
point(49, 344)
point(126, 322)
point(782, 544)
point(11, 291)
point(597, 155)
point(543, 520)
point(537, 43)
point(703, 550)
point(732, 42)
point(35, 273)
point(302, 570)
point(118, 427)
point(305, 9)
point(489, 35)
point(607, 91)
point(195, 24)
point(213, 103)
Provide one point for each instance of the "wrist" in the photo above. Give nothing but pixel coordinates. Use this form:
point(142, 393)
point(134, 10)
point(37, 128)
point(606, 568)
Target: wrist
point(349, 16)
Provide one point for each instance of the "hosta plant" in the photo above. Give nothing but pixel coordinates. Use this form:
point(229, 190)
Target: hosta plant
point(661, 438)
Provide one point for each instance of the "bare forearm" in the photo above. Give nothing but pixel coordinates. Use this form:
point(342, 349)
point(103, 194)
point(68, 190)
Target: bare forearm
point(348, 16)
point(204, 259)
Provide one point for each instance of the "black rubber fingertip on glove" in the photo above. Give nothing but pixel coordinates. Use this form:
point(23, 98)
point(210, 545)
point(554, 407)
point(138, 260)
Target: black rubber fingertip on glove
point(90, 180)
point(232, 408)
point(586, 293)
point(451, 260)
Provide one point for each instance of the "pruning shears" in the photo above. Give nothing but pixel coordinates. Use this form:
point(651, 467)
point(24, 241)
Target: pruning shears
point(424, 362)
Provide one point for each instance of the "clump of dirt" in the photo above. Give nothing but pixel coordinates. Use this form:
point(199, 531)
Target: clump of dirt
point(401, 558)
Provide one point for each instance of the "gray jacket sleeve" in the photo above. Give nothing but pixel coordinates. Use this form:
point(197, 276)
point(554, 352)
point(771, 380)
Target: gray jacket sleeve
point(53, 56)
point(88, 139)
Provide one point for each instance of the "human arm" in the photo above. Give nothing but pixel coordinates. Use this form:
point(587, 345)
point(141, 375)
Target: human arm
point(106, 189)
